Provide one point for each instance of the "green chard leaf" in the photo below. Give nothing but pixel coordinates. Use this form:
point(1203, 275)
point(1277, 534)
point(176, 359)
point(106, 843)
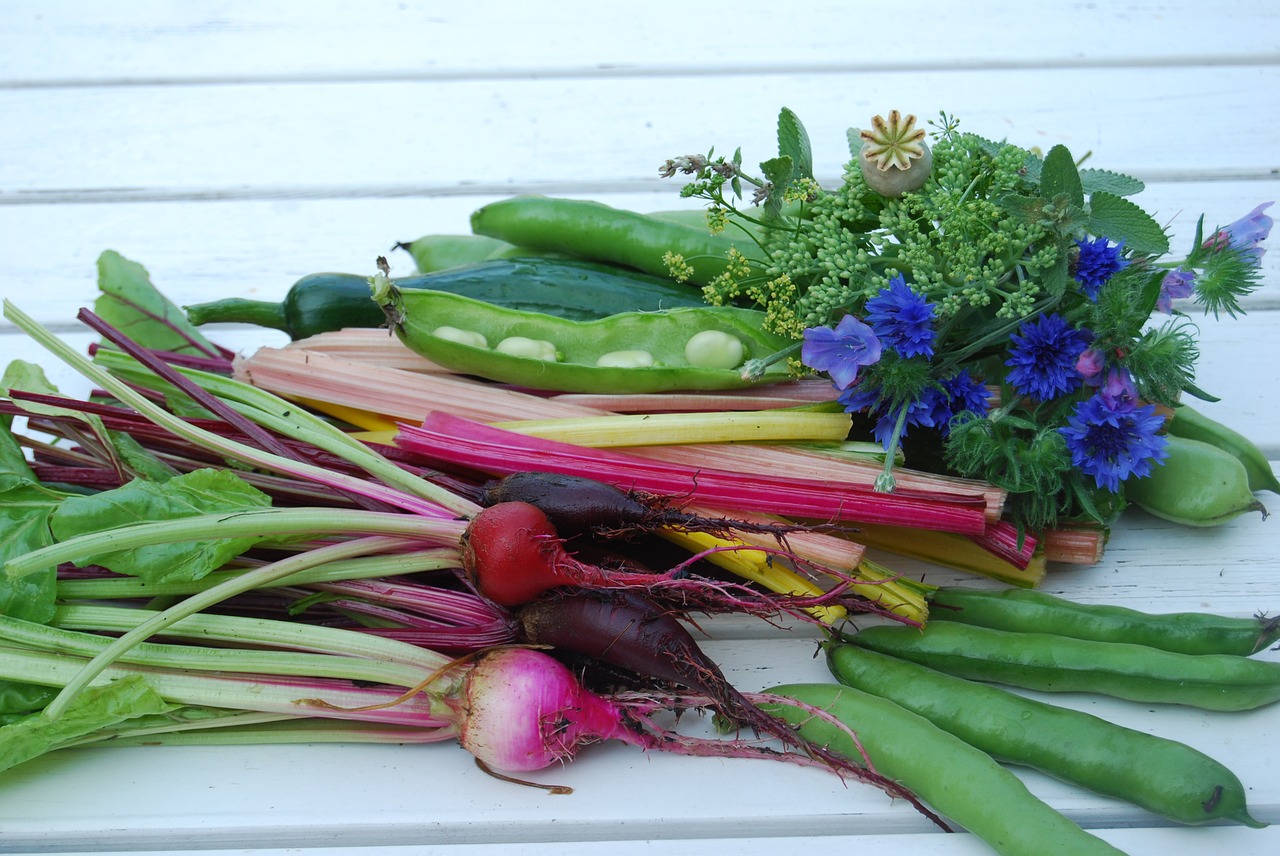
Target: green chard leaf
point(1124, 222)
point(92, 710)
point(130, 303)
point(793, 142)
point(198, 492)
point(1058, 175)
point(25, 508)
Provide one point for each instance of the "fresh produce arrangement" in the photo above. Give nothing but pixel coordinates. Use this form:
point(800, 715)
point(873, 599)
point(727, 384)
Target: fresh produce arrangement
point(593, 427)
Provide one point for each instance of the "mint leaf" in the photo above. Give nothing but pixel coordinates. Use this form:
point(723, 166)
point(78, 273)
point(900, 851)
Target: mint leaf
point(130, 303)
point(190, 494)
point(1124, 222)
point(1058, 175)
point(779, 172)
point(1095, 180)
point(793, 143)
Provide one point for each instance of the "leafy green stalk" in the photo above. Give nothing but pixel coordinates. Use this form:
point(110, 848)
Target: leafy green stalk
point(233, 449)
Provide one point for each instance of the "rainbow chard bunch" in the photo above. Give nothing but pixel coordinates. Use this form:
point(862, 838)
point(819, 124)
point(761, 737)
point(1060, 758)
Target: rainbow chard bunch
point(996, 313)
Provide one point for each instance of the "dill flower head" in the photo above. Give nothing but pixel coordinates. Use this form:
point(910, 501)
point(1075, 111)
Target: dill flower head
point(1043, 358)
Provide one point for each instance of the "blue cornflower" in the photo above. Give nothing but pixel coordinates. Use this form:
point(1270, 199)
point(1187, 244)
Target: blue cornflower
point(1175, 285)
point(1097, 263)
point(1112, 445)
point(923, 411)
point(902, 319)
point(1043, 357)
point(965, 393)
point(842, 351)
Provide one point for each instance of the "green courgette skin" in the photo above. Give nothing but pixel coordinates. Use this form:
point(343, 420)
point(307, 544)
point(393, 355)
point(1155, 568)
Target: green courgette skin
point(568, 288)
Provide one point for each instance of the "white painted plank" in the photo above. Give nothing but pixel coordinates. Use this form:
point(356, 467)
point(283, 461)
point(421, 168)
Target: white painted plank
point(1155, 841)
point(386, 139)
point(75, 42)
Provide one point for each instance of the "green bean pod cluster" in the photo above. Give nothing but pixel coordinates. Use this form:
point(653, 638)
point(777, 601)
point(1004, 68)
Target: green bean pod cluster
point(1034, 611)
point(959, 781)
point(1163, 776)
point(1052, 663)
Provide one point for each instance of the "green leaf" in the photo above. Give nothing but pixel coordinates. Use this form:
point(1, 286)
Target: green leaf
point(25, 509)
point(92, 710)
point(1058, 175)
point(1095, 180)
point(130, 303)
point(793, 143)
point(25, 513)
point(190, 494)
point(1054, 280)
point(779, 172)
point(854, 137)
point(1124, 222)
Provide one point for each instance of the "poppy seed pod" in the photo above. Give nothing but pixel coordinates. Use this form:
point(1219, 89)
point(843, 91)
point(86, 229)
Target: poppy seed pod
point(894, 157)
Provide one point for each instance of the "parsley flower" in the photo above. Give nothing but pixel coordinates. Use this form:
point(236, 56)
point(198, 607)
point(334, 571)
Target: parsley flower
point(1097, 263)
point(902, 319)
point(1113, 445)
point(1176, 284)
point(840, 352)
point(1043, 357)
point(1245, 234)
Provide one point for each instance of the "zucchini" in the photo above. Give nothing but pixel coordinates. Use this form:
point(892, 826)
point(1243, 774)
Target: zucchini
point(568, 288)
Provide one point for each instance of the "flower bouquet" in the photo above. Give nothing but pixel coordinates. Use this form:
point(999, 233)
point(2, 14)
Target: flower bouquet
point(997, 313)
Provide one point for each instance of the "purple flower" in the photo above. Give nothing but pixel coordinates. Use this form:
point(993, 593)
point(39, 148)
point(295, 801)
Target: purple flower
point(1118, 390)
point(1043, 357)
point(1112, 445)
point(1097, 263)
point(902, 319)
point(1175, 285)
point(1090, 363)
point(842, 351)
point(1244, 234)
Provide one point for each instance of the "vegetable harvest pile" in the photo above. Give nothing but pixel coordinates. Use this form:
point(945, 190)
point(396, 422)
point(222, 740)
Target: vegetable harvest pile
point(591, 427)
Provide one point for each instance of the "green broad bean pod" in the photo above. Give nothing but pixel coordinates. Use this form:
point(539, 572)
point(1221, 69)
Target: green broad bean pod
point(585, 348)
point(1198, 484)
point(1033, 611)
point(959, 781)
point(1194, 425)
point(1052, 663)
point(592, 230)
point(1165, 777)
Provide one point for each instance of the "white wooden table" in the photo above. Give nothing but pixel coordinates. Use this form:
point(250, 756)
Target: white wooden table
point(235, 146)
